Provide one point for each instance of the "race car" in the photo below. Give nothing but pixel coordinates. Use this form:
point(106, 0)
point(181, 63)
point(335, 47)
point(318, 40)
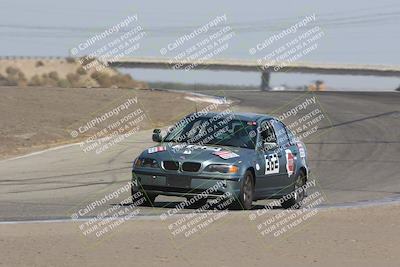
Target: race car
point(246, 156)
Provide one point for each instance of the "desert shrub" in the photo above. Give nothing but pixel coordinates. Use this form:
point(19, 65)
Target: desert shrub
point(81, 71)
point(39, 63)
point(103, 79)
point(73, 79)
point(12, 71)
point(14, 77)
point(64, 83)
point(48, 79)
point(54, 76)
point(22, 79)
point(70, 59)
point(35, 81)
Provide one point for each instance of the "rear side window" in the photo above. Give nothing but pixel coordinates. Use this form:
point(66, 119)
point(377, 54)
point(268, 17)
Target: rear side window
point(292, 138)
point(280, 133)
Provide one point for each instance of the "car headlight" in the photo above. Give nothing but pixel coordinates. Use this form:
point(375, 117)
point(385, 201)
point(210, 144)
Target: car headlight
point(222, 168)
point(146, 163)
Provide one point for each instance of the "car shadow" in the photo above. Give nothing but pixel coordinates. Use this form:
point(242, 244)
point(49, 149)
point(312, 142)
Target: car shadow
point(175, 204)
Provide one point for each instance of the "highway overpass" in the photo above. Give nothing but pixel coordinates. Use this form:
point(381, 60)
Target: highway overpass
point(264, 68)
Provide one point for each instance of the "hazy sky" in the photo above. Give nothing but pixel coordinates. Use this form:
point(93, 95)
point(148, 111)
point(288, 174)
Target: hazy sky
point(356, 31)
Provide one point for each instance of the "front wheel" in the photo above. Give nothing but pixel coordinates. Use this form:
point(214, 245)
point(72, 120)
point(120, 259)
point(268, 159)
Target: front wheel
point(143, 199)
point(245, 198)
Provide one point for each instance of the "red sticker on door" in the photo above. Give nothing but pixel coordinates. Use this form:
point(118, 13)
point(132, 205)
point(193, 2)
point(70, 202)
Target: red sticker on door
point(290, 162)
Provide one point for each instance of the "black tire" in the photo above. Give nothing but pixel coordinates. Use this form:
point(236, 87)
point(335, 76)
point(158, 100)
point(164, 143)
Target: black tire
point(295, 202)
point(245, 198)
point(148, 198)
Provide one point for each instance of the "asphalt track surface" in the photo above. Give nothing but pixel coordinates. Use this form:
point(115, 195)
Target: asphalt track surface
point(354, 158)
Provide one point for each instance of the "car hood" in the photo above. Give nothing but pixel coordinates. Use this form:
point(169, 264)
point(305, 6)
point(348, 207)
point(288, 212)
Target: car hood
point(201, 153)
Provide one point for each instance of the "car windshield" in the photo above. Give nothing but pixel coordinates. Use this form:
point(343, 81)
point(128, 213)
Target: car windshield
point(224, 131)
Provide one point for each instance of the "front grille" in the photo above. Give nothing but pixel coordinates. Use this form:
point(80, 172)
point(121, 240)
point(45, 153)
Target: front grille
point(191, 166)
point(177, 190)
point(171, 165)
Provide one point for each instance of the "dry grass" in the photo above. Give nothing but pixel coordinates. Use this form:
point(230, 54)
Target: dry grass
point(65, 73)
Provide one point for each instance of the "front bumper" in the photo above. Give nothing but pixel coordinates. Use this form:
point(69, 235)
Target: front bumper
point(184, 184)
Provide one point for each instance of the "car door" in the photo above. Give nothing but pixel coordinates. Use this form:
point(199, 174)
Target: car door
point(271, 174)
point(287, 156)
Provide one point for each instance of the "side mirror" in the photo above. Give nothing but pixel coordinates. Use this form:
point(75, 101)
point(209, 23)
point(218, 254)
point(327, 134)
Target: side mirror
point(157, 135)
point(270, 146)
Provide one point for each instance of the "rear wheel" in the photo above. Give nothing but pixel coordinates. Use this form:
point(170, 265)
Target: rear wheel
point(245, 198)
point(298, 193)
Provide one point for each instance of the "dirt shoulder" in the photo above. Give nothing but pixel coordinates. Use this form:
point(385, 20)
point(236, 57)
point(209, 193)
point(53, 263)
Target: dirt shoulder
point(35, 118)
point(335, 237)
